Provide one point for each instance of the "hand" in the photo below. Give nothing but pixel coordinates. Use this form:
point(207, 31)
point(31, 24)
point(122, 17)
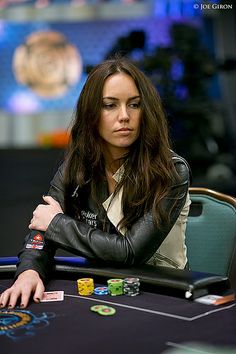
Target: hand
point(44, 213)
point(28, 283)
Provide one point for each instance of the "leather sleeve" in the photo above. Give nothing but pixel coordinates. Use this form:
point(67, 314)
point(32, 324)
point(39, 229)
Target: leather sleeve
point(41, 260)
point(139, 243)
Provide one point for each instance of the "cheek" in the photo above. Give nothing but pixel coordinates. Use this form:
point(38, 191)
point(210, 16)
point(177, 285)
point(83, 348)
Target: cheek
point(106, 121)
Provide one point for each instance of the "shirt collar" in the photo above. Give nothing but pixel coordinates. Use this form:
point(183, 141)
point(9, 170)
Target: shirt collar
point(119, 174)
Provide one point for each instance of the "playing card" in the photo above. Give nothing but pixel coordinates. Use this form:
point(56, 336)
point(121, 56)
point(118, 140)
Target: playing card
point(53, 296)
point(215, 299)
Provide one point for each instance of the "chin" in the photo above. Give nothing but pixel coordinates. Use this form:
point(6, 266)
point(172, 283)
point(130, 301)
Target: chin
point(126, 143)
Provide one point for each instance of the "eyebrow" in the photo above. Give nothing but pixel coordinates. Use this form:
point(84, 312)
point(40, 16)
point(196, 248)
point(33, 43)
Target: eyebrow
point(116, 99)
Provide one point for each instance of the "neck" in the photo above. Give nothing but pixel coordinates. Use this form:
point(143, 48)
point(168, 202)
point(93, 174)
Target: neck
point(113, 161)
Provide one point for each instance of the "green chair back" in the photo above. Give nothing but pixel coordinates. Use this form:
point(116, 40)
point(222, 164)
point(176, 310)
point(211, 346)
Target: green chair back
point(211, 232)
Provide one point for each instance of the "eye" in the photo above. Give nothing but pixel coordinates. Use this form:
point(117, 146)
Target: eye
point(134, 105)
point(107, 105)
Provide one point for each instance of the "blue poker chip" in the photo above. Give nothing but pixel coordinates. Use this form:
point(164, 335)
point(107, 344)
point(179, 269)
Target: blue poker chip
point(101, 290)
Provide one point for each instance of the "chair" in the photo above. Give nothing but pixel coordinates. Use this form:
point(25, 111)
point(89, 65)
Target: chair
point(211, 232)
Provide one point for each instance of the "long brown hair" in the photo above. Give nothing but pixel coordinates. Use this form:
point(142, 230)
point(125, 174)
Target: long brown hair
point(149, 170)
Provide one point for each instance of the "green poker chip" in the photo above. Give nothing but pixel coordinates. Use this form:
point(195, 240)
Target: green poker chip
point(107, 311)
point(97, 308)
point(103, 310)
point(115, 287)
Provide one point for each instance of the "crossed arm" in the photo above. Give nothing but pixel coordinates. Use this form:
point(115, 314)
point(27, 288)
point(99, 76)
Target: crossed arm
point(89, 242)
point(29, 281)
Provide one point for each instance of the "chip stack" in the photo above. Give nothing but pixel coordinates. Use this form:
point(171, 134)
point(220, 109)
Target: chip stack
point(85, 286)
point(131, 286)
point(101, 290)
point(115, 286)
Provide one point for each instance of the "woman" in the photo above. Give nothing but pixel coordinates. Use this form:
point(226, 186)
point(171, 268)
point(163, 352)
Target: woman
point(121, 195)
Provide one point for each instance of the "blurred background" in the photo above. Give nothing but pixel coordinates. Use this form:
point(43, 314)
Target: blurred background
point(47, 47)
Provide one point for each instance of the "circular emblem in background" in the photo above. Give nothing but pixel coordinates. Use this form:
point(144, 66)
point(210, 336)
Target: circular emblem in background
point(47, 63)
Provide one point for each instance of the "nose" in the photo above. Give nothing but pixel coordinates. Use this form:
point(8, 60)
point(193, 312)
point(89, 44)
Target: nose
point(123, 114)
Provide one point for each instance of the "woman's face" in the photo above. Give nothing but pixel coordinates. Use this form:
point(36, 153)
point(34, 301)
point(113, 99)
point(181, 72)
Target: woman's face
point(119, 123)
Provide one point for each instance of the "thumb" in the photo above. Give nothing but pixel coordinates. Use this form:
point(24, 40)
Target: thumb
point(48, 199)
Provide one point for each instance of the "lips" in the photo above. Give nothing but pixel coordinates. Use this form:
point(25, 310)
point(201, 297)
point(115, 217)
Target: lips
point(123, 130)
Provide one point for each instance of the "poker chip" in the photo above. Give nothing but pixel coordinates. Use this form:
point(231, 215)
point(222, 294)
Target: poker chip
point(103, 310)
point(107, 311)
point(131, 286)
point(96, 308)
point(101, 290)
point(85, 286)
point(115, 287)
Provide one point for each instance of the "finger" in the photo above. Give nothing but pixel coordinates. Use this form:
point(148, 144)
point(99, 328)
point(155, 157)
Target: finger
point(4, 298)
point(14, 296)
point(32, 225)
point(39, 207)
point(48, 199)
point(25, 298)
point(10, 297)
point(39, 292)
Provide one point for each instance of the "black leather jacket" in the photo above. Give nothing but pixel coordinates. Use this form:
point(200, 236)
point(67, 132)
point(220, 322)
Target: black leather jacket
point(86, 238)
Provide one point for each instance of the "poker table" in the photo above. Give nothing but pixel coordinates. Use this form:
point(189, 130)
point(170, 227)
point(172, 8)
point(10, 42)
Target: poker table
point(157, 320)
